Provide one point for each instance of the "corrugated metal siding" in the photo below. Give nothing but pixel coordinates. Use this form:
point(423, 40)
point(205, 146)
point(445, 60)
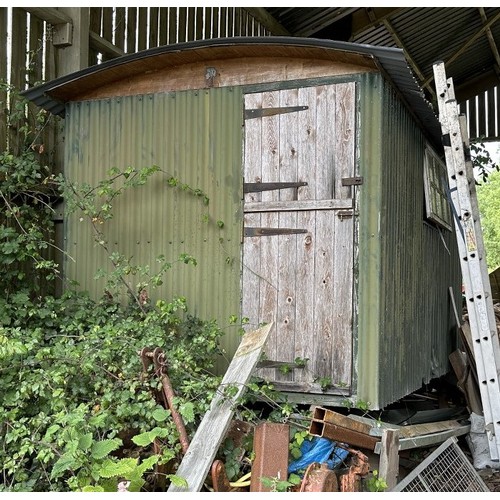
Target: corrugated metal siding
point(193, 136)
point(411, 263)
point(368, 276)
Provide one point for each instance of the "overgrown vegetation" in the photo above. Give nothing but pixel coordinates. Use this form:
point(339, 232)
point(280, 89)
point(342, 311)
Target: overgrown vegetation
point(78, 413)
point(488, 193)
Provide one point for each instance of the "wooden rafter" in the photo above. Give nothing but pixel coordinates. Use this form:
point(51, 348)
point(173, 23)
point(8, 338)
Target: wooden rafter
point(368, 17)
point(267, 20)
point(491, 41)
point(50, 15)
point(413, 64)
point(467, 44)
point(322, 20)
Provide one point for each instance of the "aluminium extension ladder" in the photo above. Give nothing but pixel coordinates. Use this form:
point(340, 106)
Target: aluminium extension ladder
point(472, 256)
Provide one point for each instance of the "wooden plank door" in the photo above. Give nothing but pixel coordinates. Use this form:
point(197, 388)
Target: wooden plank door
point(298, 226)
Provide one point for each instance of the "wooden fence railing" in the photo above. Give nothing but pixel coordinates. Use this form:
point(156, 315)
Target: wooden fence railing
point(41, 43)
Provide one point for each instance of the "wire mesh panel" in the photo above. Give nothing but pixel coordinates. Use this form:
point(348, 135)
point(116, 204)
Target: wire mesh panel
point(446, 469)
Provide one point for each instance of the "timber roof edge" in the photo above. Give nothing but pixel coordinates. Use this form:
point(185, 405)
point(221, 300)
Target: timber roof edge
point(391, 61)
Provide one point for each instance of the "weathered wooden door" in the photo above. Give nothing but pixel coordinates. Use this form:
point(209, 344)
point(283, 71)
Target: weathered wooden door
point(298, 232)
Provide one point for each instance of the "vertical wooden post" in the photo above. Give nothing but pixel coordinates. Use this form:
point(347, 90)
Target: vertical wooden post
point(3, 76)
point(75, 57)
point(389, 457)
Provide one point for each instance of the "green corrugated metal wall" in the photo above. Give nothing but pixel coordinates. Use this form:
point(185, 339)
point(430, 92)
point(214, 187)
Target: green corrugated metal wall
point(195, 136)
point(399, 323)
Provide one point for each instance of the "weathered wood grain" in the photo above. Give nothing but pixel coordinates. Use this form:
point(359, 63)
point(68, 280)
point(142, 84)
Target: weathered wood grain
point(305, 279)
point(209, 435)
point(389, 457)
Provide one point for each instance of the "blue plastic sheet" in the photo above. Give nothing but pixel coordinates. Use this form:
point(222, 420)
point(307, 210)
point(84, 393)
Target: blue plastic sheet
point(319, 450)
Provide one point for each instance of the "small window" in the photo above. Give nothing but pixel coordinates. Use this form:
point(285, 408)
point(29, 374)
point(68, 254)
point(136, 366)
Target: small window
point(436, 188)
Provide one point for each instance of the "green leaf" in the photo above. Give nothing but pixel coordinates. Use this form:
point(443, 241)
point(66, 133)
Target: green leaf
point(187, 412)
point(65, 462)
point(146, 438)
point(177, 481)
point(124, 467)
point(148, 463)
point(88, 489)
point(85, 442)
point(102, 449)
point(160, 414)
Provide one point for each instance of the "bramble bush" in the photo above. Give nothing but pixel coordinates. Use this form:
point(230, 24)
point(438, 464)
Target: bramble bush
point(71, 379)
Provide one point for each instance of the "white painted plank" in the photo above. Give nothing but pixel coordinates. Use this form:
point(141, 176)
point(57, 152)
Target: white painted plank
point(203, 448)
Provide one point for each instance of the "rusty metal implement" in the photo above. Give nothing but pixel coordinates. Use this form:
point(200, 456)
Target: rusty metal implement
point(157, 358)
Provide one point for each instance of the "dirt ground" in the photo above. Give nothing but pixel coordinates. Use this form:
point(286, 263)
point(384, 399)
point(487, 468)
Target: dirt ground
point(491, 478)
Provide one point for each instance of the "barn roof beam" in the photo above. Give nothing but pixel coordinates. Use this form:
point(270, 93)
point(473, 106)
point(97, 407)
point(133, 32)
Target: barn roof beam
point(413, 64)
point(102, 45)
point(322, 19)
point(467, 44)
point(61, 22)
point(267, 20)
point(368, 17)
point(491, 41)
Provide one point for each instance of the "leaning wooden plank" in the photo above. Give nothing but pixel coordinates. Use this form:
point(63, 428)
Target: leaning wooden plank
point(209, 435)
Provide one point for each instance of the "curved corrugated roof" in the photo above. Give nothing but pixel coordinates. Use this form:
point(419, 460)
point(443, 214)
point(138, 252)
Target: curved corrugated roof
point(53, 95)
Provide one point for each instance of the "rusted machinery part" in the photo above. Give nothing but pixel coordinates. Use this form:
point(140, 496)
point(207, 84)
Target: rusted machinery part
point(220, 482)
point(319, 478)
point(350, 482)
point(157, 357)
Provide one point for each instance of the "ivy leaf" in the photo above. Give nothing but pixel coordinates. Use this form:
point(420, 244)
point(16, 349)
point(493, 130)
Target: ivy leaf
point(102, 449)
point(65, 462)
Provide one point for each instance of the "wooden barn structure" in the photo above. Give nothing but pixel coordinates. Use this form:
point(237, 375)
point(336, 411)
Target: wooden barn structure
point(328, 212)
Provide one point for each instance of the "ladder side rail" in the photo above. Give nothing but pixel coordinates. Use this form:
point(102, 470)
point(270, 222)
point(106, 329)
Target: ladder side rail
point(479, 234)
point(472, 274)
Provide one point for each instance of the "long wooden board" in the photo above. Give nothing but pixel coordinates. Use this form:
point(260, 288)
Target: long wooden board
point(209, 435)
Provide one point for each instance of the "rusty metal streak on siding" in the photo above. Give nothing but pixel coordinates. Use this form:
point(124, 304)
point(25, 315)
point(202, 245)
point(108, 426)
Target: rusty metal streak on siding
point(194, 136)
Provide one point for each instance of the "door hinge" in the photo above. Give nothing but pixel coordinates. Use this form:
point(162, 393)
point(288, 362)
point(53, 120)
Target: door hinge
point(271, 231)
point(257, 187)
point(261, 112)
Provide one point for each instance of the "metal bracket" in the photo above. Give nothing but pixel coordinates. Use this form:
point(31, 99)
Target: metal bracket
point(261, 112)
point(345, 214)
point(352, 181)
point(271, 231)
point(257, 187)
